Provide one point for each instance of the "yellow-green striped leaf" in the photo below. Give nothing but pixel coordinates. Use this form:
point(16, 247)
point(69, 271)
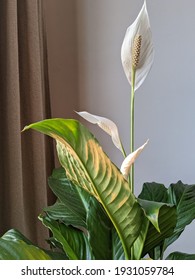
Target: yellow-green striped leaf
point(88, 167)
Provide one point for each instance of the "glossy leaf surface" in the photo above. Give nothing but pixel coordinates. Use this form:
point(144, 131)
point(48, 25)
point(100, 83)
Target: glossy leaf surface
point(72, 240)
point(180, 256)
point(15, 246)
point(183, 197)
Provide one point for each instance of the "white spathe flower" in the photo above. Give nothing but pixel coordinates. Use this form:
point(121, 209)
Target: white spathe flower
point(130, 159)
point(137, 48)
point(105, 124)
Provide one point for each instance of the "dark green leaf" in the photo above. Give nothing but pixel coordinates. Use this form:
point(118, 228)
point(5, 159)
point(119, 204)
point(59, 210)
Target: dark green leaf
point(139, 243)
point(117, 248)
point(180, 256)
point(162, 215)
point(154, 210)
point(73, 241)
point(154, 192)
point(183, 197)
point(166, 221)
point(99, 231)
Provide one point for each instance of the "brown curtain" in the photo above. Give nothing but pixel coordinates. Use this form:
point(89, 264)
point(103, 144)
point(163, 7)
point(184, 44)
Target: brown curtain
point(26, 159)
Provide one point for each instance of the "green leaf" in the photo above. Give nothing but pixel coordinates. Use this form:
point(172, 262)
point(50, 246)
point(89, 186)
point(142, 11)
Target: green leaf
point(62, 181)
point(56, 255)
point(180, 256)
point(71, 211)
point(19, 250)
point(73, 241)
point(69, 208)
point(14, 247)
point(154, 192)
point(117, 248)
point(161, 214)
point(183, 197)
point(153, 210)
point(99, 231)
point(16, 235)
point(139, 243)
point(88, 167)
point(166, 221)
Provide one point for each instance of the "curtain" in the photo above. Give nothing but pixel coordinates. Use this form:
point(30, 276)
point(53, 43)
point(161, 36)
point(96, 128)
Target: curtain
point(26, 159)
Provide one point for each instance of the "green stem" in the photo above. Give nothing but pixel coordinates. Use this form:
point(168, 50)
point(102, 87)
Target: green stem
point(132, 137)
point(123, 150)
point(132, 125)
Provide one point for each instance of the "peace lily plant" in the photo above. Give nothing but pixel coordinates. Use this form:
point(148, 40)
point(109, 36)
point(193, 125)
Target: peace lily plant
point(97, 215)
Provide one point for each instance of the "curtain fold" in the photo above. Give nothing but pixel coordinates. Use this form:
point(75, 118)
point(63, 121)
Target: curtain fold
point(26, 159)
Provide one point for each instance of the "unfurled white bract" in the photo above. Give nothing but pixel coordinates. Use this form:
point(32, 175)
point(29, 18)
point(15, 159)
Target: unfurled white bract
point(107, 125)
point(139, 29)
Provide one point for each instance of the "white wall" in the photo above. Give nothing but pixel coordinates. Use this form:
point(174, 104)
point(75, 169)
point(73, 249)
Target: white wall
point(164, 104)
